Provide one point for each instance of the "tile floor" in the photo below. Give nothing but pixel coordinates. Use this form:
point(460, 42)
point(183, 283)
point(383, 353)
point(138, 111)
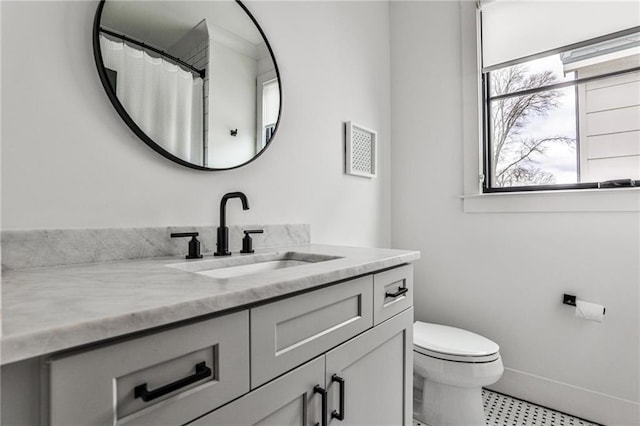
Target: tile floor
point(502, 410)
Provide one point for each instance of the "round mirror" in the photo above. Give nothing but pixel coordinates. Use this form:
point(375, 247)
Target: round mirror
point(195, 80)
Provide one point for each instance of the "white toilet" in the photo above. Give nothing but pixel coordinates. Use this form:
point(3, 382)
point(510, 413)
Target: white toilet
point(451, 366)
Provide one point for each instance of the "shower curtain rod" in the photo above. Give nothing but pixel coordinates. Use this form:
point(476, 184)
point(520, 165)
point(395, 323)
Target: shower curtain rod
point(179, 61)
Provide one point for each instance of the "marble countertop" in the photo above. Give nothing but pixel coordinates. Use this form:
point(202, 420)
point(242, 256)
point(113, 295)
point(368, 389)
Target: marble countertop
point(52, 309)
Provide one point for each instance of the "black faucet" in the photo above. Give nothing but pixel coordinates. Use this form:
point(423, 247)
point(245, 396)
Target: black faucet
point(223, 232)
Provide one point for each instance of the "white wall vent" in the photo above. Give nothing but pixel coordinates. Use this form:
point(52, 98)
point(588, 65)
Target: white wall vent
point(360, 150)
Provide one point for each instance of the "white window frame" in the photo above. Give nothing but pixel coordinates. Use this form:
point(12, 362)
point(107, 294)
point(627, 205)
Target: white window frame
point(261, 80)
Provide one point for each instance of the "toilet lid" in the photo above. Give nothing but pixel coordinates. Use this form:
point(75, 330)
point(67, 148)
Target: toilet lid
point(442, 339)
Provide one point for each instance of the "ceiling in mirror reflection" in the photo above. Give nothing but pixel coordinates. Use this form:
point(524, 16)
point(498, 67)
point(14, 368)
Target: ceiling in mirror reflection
point(197, 79)
point(163, 23)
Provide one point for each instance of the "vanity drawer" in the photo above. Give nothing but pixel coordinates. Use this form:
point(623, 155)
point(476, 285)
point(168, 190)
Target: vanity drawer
point(288, 332)
point(392, 292)
point(188, 371)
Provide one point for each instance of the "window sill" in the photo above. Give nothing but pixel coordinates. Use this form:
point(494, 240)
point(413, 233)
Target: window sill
point(579, 200)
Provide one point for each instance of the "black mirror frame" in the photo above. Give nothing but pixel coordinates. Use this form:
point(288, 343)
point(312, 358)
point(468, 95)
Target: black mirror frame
point(97, 54)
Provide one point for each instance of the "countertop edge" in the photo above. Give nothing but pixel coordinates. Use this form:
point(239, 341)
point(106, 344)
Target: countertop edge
point(20, 347)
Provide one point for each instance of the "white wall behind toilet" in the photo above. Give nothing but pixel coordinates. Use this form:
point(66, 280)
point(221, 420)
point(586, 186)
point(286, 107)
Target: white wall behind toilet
point(68, 160)
point(503, 274)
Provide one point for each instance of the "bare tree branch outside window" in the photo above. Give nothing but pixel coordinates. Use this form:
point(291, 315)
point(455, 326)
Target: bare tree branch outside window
point(515, 155)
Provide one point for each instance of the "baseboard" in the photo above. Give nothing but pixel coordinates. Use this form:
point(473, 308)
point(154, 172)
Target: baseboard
point(579, 402)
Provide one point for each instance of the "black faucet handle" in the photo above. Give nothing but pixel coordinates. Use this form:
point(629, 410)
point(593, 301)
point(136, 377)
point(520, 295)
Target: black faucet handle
point(194, 244)
point(247, 241)
point(184, 234)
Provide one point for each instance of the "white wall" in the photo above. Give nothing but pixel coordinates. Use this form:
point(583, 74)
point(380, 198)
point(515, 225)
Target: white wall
point(503, 274)
point(233, 106)
point(68, 161)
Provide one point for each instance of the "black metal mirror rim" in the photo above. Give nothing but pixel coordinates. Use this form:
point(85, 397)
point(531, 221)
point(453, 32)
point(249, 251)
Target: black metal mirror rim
point(97, 55)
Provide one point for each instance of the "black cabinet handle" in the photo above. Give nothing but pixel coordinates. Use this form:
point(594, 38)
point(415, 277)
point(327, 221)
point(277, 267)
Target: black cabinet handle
point(323, 392)
point(400, 292)
point(141, 391)
point(335, 414)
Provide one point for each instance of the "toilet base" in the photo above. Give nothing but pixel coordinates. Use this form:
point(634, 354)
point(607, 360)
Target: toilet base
point(446, 405)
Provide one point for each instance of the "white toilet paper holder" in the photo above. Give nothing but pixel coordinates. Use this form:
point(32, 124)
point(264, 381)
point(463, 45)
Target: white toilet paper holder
point(569, 299)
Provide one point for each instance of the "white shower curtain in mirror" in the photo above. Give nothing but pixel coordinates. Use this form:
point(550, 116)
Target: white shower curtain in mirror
point(164, 100)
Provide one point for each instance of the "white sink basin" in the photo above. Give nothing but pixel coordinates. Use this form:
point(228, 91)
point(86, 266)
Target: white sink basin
point(251, 268)
point(239, 266)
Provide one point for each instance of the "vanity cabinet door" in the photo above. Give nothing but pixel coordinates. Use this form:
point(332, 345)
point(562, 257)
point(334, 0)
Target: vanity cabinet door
point(165, 378)
point(287, 401)
point(376, 369)
point(291, 331)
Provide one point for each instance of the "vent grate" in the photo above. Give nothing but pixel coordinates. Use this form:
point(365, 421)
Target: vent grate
point(360, 150)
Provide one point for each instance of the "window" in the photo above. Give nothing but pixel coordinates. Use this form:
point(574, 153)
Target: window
point(268, 104)
point(566, 118)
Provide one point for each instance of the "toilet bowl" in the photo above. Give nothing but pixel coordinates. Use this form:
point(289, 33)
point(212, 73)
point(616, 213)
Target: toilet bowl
point(451, 366)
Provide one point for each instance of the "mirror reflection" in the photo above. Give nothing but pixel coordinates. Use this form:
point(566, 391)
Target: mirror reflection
point(197, 78)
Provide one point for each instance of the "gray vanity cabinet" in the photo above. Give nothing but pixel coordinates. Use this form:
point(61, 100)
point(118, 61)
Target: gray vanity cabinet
point(291, 331)
point(263, 365)
point(98, 386)
point(392, 292)
point(375, 369)
point(287, 400)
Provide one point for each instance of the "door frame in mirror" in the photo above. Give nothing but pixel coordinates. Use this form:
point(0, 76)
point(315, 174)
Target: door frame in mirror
point(104, 79)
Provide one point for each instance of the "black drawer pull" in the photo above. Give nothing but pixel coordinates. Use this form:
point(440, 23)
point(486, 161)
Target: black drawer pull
point(323, 392)
point(335, 414)
point(400, 292)
point(141, 391)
